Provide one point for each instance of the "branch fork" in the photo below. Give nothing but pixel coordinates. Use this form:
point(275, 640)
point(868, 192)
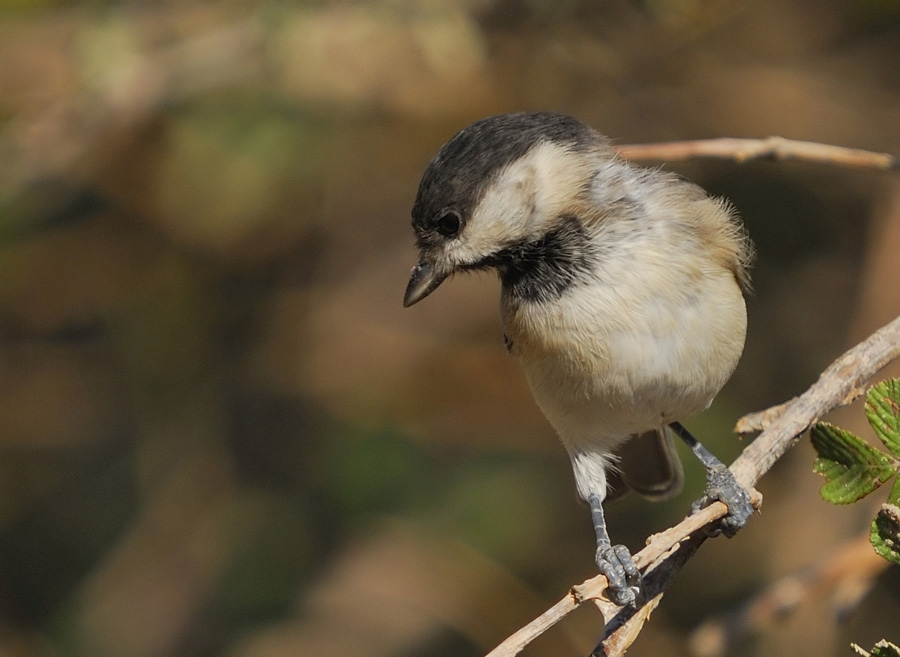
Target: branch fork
point(666, 552)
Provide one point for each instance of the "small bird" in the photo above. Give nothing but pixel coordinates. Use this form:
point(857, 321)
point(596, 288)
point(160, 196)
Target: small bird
point(622, 297)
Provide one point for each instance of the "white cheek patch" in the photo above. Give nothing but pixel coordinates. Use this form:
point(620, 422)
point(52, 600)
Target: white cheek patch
point(559, 176)
point(524, 199)
point(503, 215)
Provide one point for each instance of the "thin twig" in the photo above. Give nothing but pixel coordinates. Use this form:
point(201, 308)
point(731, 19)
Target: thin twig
point(760, 420)
point(842, 382)
point(771, 148)
point(663, 556)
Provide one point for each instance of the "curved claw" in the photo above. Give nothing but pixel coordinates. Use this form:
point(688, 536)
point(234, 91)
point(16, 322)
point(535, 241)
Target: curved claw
point(722, 486)
point(615, 562)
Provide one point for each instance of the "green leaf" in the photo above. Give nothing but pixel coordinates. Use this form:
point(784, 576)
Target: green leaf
point(885, 534)
point(885, 649)
point(883, 411)
point(852, 468)
point(894, 496)
point(881, 649)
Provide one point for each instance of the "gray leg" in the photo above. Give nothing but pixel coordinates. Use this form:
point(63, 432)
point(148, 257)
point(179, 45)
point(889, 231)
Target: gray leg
point(614, 561)
point(721, 485)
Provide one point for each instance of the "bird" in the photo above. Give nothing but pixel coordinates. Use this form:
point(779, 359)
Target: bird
point(622, 296)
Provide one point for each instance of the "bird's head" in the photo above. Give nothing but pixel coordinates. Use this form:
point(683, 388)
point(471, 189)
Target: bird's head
point(499, 184)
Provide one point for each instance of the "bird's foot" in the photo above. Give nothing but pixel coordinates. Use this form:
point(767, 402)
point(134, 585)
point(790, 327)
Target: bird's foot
point(723, 487)
point(615, 562)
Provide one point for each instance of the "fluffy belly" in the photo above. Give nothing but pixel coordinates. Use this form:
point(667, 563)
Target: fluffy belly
point(599, 378)
point(607, 404)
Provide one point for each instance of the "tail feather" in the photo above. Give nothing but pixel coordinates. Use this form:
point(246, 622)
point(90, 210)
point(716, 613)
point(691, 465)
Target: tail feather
point(649, 465)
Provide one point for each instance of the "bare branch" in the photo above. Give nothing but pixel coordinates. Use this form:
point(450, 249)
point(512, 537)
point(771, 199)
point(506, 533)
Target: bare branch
point(665, 553)
point(840, 383)
point(772, 148)
point(760, 420)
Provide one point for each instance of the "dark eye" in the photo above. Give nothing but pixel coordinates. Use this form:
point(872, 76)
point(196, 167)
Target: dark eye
point(448, 224)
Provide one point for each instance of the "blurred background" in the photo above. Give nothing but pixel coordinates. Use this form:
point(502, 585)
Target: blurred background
point(220, 433)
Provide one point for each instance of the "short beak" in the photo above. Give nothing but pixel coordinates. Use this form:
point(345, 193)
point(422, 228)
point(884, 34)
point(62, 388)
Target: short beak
point(422, 282)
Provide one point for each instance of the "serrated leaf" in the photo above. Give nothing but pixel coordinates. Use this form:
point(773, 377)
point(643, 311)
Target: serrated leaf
point(852, 467)
point(885, 649)
point(883, 411)
point(881, 649)
point(894, 495)
point(885, 534)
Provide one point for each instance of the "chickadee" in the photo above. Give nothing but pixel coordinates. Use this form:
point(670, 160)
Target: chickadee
point(621, 296)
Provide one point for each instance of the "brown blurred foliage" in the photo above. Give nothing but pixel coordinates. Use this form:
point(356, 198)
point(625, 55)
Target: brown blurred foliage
point(219, 431)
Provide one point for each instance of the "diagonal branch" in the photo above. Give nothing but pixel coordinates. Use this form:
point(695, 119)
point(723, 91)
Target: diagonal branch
point(665, 553)
point(771, 148)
